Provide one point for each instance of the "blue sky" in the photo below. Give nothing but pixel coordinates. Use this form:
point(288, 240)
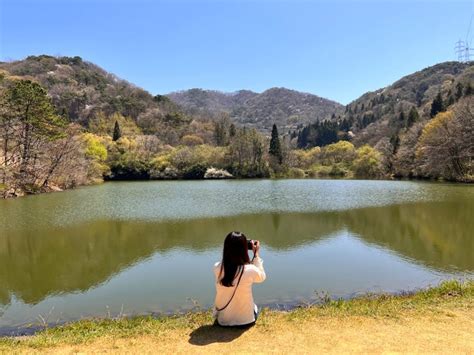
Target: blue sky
point(336, 49)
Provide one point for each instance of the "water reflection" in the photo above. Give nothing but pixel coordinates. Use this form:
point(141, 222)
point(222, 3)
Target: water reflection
point(39, 262)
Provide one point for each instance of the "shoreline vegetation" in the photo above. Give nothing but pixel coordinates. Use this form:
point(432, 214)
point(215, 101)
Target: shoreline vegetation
point(65, 122)
point(415, 322)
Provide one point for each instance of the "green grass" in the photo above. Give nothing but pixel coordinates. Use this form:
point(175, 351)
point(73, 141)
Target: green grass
point(451, 294)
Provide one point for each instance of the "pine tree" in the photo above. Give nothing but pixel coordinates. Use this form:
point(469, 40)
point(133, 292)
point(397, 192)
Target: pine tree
point(412, 117)
point(468, 90)
point(117, 132)
point(437, 105)
point(459, 90)
point(302, 141)
point(232, 130)
point(395, 141)
point(401, 118)
point(275, 147)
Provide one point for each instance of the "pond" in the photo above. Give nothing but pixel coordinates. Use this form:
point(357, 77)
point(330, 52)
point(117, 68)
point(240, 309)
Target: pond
point(148, 247)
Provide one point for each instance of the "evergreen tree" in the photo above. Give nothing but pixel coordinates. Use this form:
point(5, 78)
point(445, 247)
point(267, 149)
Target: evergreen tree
point(395, 141)
point(459, 90)
point(401, 118)
point(30, 111)
point(437, 105)
point(232, 130)
point(275, 147)
point(412, 117)
point(302, 141)
point(468, 90)
point(345, 125)
point(117, 132)
point(450, 101)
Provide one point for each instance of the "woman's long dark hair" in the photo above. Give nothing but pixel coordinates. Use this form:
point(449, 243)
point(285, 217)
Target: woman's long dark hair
point(235, 256)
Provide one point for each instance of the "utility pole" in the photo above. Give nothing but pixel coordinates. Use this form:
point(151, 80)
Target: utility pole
point(462, 48)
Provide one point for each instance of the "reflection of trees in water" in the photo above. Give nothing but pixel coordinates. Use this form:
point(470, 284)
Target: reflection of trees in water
point(437, 234)
point(38, 263)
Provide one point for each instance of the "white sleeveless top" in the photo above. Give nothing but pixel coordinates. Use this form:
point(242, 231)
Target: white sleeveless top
point(241, 309)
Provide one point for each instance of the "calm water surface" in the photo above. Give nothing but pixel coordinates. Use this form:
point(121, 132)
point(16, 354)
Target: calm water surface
point(146, 247)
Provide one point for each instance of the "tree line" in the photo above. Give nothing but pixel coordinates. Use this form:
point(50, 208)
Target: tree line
point(42, 149)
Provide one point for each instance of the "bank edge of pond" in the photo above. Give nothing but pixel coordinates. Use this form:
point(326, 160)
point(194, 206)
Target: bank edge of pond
point(52, 189)
point(454, 293)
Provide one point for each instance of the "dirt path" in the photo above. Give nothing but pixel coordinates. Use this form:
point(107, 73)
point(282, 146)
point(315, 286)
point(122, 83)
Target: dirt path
point(446, 331)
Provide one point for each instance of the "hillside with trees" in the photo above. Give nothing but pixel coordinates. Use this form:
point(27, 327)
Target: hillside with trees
point(89, 96)
point(65, 122)
point(394, 118)
point(283, 107)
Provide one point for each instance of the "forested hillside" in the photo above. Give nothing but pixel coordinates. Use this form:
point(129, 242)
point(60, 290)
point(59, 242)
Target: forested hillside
point(65, 122)
point(283, 107)
point(393, 119)
point(88, 95)
point(210, 102)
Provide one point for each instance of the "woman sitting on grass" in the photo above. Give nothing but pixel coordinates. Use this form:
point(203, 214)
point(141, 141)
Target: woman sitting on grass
point(235, 274)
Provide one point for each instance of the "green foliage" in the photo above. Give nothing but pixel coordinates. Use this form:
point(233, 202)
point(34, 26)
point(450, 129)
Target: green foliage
point(437, 105)
point(246, 155)
point(340, 152)
point(295, 173)
point(275, 147)
point(459, 91)
point(95, 149)
point(318, 134)
point(401, 118)
point(412, 117)
point(96, 152)
point(104, 125)
point(191, 140)
point(222, 128)
point(318, 170)
point(29, 101)
point(28, 125)
point(367, 163)
point(117, 132)
point(304, 158)
point(468, 90)
point(232, 130)
point(444, 149)
point(129, 166)
point(195, 172)
point(81, 90)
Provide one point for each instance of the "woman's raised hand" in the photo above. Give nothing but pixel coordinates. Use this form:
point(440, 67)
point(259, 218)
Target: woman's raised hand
point(256, 247)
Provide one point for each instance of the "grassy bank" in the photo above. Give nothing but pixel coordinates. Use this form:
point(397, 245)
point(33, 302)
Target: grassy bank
point(436, 319)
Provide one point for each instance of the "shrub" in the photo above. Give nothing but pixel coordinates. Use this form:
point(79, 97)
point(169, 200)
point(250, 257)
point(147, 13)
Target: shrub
point(192, 140)
point(318, 170)
point(340, 170)
point(169, 173)
point(129, 167)
point(367, 163)
point(296, 173)
point(340, 152)
point(195, 172)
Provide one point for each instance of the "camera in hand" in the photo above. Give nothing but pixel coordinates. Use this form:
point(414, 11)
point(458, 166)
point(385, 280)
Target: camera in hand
point(251, 243)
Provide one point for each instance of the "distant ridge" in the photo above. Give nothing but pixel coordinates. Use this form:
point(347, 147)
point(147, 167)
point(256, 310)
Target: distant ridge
point(287, 108)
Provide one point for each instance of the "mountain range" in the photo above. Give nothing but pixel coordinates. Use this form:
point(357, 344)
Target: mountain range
point(81, 89)
point(281, 106)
